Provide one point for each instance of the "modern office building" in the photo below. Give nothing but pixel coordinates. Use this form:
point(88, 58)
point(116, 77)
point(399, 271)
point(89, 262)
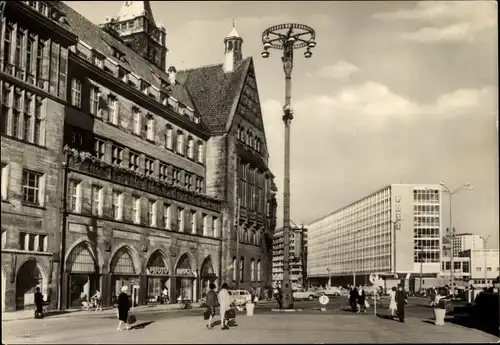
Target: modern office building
point(298, 256)
point(393, 232)
point(484, 265)
point(116, 171)
point(462, 242)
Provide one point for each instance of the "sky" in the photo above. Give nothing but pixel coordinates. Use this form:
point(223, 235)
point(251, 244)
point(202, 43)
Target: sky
point(395, 92)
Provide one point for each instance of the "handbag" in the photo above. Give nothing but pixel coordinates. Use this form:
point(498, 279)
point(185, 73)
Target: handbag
point(256, 299)
point(230, 314)
point(367, 305)
point(131, 318)
point(206, 314)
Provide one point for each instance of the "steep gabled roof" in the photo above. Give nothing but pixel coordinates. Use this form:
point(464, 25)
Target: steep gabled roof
point(105, 43)
point(215, 93)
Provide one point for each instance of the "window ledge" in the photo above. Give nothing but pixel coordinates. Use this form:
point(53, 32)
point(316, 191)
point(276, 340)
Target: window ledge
point(28, 204)
point(20, 251)
point(24, 141)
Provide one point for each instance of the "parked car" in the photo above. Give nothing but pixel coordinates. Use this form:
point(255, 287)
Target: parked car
point(240, 297)
point(331, 291)
point(301, 293)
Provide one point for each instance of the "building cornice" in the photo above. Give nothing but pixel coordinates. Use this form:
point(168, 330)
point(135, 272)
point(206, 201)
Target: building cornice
point(143, 100)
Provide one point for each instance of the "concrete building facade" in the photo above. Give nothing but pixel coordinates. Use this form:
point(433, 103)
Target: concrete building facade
point(298, 256)
point(144, 160)
point(462, 242)
point(393, 232)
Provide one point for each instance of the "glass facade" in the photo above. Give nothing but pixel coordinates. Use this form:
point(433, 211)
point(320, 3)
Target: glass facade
point(359, 237)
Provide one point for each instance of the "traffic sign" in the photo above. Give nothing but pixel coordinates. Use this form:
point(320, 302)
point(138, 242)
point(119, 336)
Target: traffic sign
point(324, 300)
point(373, 278)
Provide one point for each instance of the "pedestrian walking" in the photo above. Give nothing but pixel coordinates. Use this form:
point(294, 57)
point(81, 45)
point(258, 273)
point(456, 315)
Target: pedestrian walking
point(224, 305)
point(400, 302)
point(38, 304)
point(432, 295)
point(96, 301)
point(164, 296)
point(279, 297)
point(123, 309)
point(353, 298)
point(362, 302)
point(392, 302)
point(212, 303)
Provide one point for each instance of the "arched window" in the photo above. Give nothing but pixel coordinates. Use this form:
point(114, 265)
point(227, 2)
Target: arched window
point(259, 271)
point(239, 133)
point(252, 269)
point(190, 147)
point(150, 128)
point(242, 269)
point(234, 268)
point(180, 142)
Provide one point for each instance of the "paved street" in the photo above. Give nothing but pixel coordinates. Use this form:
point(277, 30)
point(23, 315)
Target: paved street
point(174, 326)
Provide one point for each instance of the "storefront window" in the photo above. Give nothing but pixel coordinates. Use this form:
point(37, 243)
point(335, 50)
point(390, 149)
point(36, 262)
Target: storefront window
point(158, 279)
point(184, 283)
point(84, 278)
point(123, 270)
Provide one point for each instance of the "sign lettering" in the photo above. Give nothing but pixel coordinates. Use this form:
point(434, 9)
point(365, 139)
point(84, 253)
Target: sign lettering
point(157, 270)
point(183, 271)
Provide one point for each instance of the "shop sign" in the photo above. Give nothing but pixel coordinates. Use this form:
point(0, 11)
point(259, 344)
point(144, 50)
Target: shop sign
point(398, 212)
point(157, 270)
point(183, 271)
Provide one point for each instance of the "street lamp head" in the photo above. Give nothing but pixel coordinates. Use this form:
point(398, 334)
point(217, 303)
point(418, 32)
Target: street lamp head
point(312, 43)
point(467, 184)
point(441, 183)
point(307, 54)
point(265, 54)
point(291, 39)
point(267, 45)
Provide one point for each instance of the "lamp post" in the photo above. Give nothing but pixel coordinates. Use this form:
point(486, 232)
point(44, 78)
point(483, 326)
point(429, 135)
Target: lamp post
point(484, 255)
point(451, 231)
point(421, 259)
point(287, 37)
point(329, 277)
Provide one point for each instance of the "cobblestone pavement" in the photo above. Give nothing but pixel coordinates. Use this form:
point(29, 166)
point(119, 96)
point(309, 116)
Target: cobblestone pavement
point(267, 327)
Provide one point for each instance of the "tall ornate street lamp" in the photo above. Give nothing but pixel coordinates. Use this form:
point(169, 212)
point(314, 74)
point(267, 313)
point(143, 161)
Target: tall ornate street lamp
point(451, 231)
point(287, 37)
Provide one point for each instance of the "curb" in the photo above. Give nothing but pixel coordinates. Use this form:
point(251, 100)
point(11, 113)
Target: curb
point(286, 310)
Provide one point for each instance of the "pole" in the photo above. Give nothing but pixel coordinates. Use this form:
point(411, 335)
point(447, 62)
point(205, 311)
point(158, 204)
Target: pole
point(421, 268)
point(452, 250)
point(354, 262)
point(238, 205)
point(484, 257)
point(287, 118)
point(62, 246)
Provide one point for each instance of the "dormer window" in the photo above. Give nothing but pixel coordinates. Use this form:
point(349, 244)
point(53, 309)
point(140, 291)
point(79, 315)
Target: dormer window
point(43, 9)
point(98, 60)
point(196, 118)
point(118, 54)
point(58, 16)
point(163, 98)
point(144, 87)
point(123, 74)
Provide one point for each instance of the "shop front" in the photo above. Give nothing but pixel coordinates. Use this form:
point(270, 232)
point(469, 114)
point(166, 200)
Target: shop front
point(84, 277)
point(123, 273)
point(28, 278)
point(185, 288)
point(158, 279)
point(207, 276)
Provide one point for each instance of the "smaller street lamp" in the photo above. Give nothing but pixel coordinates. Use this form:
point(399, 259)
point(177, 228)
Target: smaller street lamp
point(484, 255)
point(329, 277)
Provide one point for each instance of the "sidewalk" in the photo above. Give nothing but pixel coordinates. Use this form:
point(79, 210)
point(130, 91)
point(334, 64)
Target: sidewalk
point(28, 314)
point(266, 328)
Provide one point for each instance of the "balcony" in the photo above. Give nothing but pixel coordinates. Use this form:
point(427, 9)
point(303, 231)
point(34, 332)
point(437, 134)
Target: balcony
point(93, 167)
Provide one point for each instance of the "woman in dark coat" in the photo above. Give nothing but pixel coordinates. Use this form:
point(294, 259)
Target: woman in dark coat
point(123, 308)
point(361, 299)
point(353, 298)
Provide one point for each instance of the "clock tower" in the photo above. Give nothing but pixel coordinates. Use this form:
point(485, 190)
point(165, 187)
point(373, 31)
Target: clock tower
point(137, 28)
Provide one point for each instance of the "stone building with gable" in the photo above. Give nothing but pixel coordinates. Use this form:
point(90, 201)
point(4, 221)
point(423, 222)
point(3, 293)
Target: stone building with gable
point(150, 167)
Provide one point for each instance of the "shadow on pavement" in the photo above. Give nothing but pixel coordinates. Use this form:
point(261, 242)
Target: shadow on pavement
point(430, 322)
point(141, 325)
point(386, 317)
point(466, 322)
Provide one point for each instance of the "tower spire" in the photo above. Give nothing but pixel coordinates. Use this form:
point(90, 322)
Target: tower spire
point(233, 50)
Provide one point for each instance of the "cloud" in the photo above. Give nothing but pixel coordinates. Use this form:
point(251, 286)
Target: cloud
point(446, 21)
point(340, 70)
point(372, 134)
